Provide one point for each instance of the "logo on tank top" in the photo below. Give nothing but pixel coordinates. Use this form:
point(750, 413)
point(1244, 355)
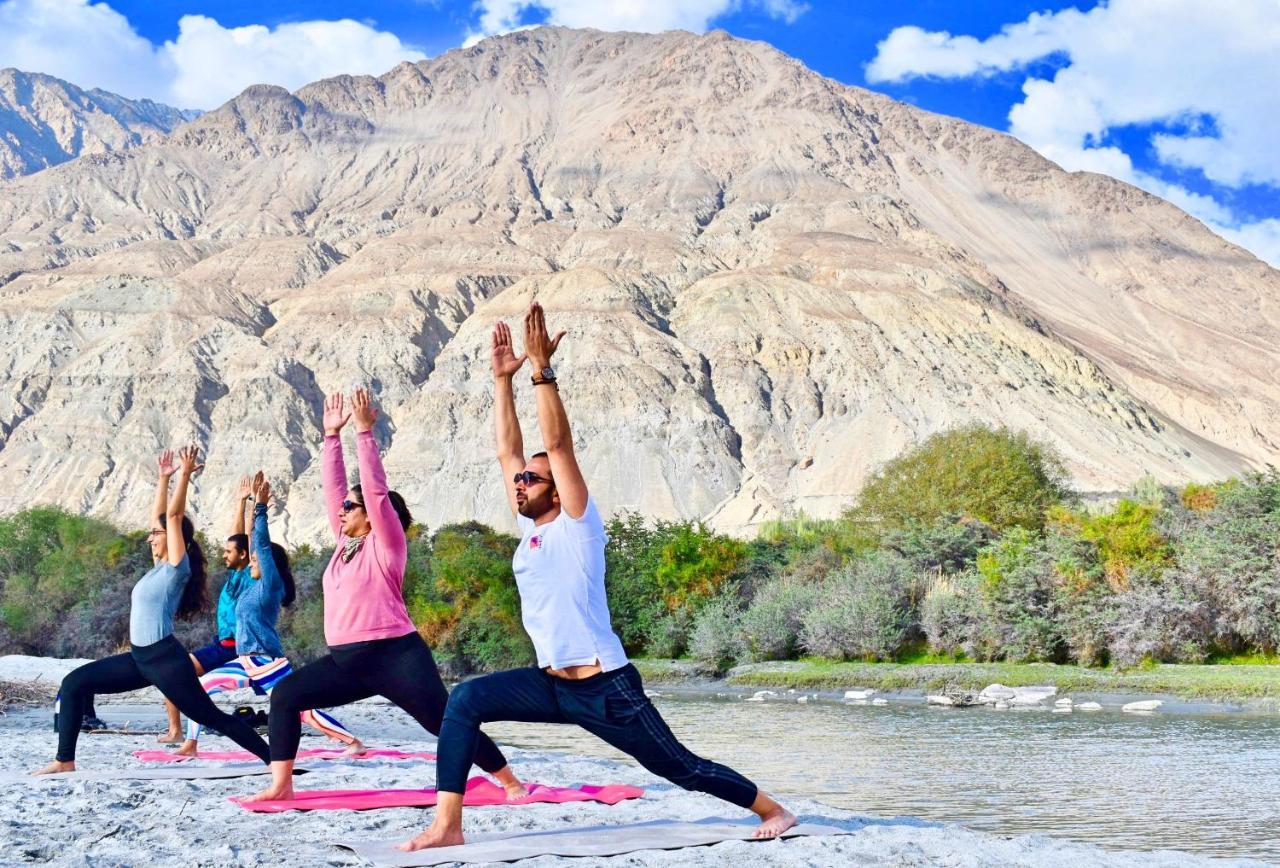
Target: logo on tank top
point(535, 542)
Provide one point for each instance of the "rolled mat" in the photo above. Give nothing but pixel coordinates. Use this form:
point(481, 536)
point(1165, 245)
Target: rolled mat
point(590, 841)
point(480, 791)
point(323, 753)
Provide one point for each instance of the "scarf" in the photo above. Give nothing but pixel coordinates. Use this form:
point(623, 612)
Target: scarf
point(351, 546)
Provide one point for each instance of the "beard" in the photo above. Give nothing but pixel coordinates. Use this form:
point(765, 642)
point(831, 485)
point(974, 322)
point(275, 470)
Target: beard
point(533, 507)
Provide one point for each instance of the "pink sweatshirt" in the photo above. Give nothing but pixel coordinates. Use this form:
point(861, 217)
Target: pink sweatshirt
point(364, 598)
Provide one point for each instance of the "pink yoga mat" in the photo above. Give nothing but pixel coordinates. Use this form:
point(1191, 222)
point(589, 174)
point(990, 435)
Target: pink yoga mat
point(480, 791)
point(327, 753)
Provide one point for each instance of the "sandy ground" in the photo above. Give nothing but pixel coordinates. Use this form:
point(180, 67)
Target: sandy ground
point(192, 823)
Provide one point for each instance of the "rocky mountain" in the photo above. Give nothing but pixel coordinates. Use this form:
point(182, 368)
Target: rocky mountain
point(45, 121)
point(772, 283)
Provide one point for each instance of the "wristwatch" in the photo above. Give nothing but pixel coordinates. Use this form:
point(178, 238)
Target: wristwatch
point(545, 375)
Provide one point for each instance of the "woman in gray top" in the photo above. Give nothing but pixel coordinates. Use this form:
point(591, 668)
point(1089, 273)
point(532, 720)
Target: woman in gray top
point(174, 586)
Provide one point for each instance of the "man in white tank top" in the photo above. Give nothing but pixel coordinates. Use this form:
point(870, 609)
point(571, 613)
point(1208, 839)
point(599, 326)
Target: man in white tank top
point(583, 676)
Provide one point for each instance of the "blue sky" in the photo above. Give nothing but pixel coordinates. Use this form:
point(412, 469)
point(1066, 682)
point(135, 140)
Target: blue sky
point(1176, 96)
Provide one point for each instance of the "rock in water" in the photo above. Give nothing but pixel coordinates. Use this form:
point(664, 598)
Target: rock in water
point(772, 283)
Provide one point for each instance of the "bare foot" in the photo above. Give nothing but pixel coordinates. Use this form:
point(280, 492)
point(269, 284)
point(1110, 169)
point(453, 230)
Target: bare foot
point(272, 794)
point(775, 823)
point(56, 767)
point(515, 791)
point(356, 748)
point(190, 747)
point(433, 837)
point(170, 737)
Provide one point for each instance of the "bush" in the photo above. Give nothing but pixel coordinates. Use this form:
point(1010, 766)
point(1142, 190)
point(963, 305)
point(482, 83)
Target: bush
point(632, 557)
point(947, 545)
point(1018, 589)
point(471, 566)
point(716, 640)
point(953, 615)
point(771, 625)
point(1164, 619)
point(1127, 536)
point(865, 612)
point(1000, 477)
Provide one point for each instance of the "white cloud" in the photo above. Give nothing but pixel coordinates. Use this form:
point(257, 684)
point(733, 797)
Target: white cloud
point(645, 16)
point(212, 62)
point(92, 45)
point(1170, 63)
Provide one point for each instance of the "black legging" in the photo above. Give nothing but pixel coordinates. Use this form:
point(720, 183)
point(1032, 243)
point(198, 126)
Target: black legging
point(401, 669)
point(164, 665)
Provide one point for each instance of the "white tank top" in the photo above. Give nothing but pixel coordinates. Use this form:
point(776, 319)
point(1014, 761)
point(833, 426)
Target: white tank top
point(559, 568)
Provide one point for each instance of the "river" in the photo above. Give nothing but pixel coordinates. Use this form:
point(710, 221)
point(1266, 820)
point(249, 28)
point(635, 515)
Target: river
point(1207, 783)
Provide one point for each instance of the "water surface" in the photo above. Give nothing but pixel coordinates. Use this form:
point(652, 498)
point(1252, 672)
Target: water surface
point(1205, 783)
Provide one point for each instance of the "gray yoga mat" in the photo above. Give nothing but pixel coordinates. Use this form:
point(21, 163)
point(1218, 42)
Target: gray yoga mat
point(590, 841)
point(178, 771)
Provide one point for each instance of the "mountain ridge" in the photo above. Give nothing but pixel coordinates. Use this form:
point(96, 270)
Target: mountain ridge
point(46, 121)
point(783, 280)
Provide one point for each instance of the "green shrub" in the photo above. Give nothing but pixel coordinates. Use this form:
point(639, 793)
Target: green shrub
point(1127, 536)
point(771, 625)
point(1017, 586)
point(866, 610)
point(953, 615)
point(632, 557)
point(1165, 618)
point(471, 566)
point(946, 545)
point(716, 640)
point(1000, 477)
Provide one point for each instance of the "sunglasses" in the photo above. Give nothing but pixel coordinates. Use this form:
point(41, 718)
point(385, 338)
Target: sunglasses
point(155, 532)
point(528, 477)
point(348, 505)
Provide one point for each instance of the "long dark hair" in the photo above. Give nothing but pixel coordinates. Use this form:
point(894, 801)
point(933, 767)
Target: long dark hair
point(397, 502)
point(195, 595)
point(281, 557)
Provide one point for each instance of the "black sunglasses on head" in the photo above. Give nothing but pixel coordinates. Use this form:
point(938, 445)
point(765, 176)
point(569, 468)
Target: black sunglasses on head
point(348, 505)
point(528, 477)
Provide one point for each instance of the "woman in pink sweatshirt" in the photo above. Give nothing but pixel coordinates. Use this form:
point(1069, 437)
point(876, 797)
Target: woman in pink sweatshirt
point(374, 649)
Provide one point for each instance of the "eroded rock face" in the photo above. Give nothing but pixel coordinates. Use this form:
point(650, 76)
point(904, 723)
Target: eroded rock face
point(772, 283)
point(45, 121)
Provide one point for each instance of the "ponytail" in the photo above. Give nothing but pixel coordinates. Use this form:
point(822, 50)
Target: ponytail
point(281, 557)
point(195, 597)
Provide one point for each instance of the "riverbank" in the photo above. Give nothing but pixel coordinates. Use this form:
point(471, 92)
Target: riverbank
point(1255, 685)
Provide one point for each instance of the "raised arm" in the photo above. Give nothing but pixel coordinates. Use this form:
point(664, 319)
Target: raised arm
point(333, 471)
point(167, 466)
point(189, 466)
point(373, 480)
point(506, 425)
point(261, 538)
point(244, 491)
point(552, 420)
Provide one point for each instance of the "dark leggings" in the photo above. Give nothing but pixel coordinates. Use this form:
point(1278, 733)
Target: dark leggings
point(611, 705)
point(401, 669)
point(164, 665)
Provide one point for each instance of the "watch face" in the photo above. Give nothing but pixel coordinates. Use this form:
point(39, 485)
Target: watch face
point(548, 374)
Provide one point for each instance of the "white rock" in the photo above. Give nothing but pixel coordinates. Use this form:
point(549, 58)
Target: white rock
point(859, 694)
point(996, 693)
point(879, 701)
point(1144, 705)
point(939, 699)
point(1062, 709)
point(1089, 706)
point(1001, 705)
point(1065, 702)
